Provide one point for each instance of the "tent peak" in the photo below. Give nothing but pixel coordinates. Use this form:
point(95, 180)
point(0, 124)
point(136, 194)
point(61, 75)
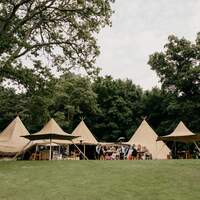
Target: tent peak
point(85, 134)
point(51, 127)
point(144, 121)
point(146, 124)
point(181, 130)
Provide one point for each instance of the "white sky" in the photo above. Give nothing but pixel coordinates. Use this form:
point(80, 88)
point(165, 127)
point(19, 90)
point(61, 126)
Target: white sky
point(140, 28)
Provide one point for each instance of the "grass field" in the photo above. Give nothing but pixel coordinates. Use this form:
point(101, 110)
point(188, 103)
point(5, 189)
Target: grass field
point(96, 180)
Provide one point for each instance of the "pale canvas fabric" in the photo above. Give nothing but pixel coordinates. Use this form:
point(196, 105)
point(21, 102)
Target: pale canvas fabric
point(146, 136)
point(10, 138)
point(180, 130)
point(51, 127)
point(85, 134)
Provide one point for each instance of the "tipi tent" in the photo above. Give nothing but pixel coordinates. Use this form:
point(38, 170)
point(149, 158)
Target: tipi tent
point(51, 133)
point(181, 134)
point(145, 136)
point(11, 141)
point(86, 136)
point(51, 128)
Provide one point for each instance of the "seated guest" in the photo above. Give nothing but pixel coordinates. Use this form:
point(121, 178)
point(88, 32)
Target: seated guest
point(139, 150)
point(102, 153)
point(113, 149)
point(144, 152)
point(148, 155)
point(118, 153)
point(134, 153)
point(108, 157)
point(129, 156)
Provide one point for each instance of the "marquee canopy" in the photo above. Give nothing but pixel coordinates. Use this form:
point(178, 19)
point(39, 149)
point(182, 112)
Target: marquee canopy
point(180, 134)
point(50, 132)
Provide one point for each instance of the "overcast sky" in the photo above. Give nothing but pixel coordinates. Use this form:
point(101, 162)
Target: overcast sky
point(141, 27)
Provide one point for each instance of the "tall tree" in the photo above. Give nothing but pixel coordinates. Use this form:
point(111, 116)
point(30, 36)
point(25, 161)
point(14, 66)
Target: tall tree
point(179, 66)
point(179, 70)
point(10, 106)
point(119, 102)
point(59, 33)
point(73, 99)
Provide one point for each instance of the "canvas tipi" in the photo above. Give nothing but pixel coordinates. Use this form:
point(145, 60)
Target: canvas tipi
point(11, 141)
point(85, 134)
point(145, 136)
point(51, 133)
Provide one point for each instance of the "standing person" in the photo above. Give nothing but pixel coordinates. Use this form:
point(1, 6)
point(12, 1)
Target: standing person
point(123, 148)
point(129, 156)
point(118, 153)
point(126, 152)
point(102, 153)
point(98, 148)
point(134, 153)
point(139, 149)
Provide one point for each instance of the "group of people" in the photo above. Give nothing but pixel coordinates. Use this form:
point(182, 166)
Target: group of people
point(122, 152)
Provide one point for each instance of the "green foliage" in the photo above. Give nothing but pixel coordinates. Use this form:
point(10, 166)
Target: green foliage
point(111, 108)
point(59, 33)
point(179, 70)
point(119, 102)
point(9, 106)
point(179, 66)
point(73, 99)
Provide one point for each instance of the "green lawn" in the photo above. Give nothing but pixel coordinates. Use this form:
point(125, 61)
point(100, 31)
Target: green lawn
point(96, 180)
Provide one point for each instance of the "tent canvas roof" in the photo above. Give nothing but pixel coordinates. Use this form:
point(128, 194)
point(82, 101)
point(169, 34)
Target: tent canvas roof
point(10, 138)
point(182, 134)
point(85, 135)
point(51, 127)
point(50, 131)
point(145, 136)
point(181, 130)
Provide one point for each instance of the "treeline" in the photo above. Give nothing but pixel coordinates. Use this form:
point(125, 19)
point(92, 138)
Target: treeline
point(111, 108)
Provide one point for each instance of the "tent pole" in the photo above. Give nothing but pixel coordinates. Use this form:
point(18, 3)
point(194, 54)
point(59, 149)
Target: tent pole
point(175, 149)
point(35, 152)
point(50, 150)
point(84, 150)
point(197, 146)
point(21, 150)
point(79, 150)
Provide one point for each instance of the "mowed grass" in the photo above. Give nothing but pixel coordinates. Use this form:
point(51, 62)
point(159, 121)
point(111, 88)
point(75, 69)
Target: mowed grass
point(100, 180)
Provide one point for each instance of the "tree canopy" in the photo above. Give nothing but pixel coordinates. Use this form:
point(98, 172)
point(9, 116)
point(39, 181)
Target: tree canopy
point(179, 66)
point(57, 34)
point(111, 107)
